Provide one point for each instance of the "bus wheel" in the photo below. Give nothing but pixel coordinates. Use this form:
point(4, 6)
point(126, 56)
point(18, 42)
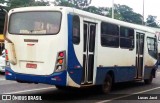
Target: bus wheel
point(107, 84)
point(148, 81)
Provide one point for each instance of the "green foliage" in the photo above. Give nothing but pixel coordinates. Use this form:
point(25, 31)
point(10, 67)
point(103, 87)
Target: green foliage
point(121, 12)
point(19, 3)
point(63, 3)
point(127, 14)
point(79, 4)
point(95, 10)
point(24, 3)
point(117, 15)
point(40, 3)
point(3, 1)
point(151, 21)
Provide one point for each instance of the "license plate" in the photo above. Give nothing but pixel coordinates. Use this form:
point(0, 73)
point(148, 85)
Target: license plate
point(30, 65)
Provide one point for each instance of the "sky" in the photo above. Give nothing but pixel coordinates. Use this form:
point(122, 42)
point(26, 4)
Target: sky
point(151, 7)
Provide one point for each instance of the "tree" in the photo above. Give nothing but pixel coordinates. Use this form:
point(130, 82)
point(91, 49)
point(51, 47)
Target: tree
point(95, 10)
point(40, 3)
point(79, 4)
point(127, 14)
point(122, 12)
point(117, 14)
point(104, 11)
point(24, 3)
point(3, 1)
point(63, 3)
point(151, 21)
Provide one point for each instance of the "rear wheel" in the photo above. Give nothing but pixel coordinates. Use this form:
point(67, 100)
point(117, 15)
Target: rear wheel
point(148, 81)
point(107, 84)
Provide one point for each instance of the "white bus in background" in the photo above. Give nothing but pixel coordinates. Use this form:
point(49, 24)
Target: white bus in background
point(64, 46)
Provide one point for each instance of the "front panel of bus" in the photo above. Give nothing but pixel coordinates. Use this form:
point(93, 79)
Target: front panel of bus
point(37, 44)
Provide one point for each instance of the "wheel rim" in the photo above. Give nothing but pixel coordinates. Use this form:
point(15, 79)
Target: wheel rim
point(107, 86)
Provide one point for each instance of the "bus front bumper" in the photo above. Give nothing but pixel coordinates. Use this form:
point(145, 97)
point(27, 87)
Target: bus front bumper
point(58, 78)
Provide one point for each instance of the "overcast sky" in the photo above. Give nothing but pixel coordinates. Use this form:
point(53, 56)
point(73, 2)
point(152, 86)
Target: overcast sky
point(151, 7)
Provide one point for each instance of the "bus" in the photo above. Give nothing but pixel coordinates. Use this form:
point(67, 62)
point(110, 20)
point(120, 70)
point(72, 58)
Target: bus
point(67, 47)
point(2, 19)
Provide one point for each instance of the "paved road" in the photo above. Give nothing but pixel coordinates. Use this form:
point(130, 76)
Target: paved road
point(121, 93)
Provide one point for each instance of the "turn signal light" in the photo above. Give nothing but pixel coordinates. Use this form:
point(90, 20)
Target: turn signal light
point(6, 57)
point(60, 61)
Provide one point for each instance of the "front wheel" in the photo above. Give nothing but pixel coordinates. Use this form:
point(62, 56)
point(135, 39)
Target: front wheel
point(107, 84)
point(148, 81)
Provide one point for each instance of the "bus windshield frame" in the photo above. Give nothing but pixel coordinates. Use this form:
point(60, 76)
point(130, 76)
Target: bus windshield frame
point(35, 23)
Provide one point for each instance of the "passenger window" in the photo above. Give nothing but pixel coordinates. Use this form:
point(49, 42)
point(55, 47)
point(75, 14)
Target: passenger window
point(109, 35)
point(76, 30)
point(92, 38)
point(126, 37)
point(152, 47)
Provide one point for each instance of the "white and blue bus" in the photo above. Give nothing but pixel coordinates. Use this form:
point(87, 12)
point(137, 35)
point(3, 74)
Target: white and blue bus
point(64, 46)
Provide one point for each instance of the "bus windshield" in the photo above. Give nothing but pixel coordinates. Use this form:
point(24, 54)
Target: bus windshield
point(36, 22)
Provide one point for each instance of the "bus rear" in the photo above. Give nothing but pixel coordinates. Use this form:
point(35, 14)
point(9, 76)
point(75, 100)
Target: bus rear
point(36, 45)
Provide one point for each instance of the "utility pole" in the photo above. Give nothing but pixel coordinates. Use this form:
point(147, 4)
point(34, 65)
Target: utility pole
point(113, 9)
point(143, 14)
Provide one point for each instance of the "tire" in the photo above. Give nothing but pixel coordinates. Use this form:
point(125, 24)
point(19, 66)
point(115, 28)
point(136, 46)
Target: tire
point(107, 84)
point(148, 81)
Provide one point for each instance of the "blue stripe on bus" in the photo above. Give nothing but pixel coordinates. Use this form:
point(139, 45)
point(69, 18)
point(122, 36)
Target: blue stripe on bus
point(74, 73)
point(121, 74)
point(53, 79)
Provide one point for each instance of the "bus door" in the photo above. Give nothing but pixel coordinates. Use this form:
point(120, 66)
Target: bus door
point(139, 54)
point(88, 52)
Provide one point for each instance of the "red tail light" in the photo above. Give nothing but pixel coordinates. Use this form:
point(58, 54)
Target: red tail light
point(6, 57)
point(60, 61)
point(6, 51)
point(61, 54)
point(7, 73)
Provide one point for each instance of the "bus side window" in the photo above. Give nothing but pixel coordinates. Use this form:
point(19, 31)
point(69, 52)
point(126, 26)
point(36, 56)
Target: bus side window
point(76, 30)
point(126, 38)
point(109, 35)
point(152, 47)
